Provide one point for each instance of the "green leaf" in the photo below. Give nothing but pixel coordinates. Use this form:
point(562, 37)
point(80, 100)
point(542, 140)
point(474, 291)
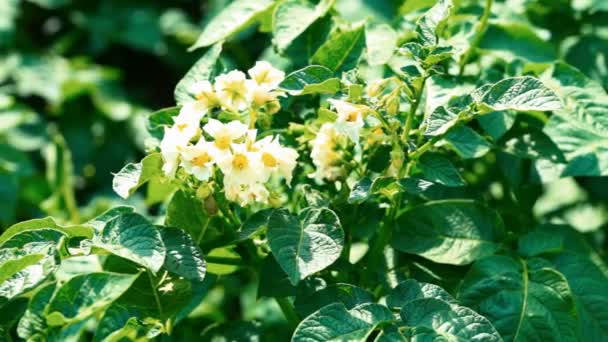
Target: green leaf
point(293, 17)
point(100, 221)
point(517, 40)
point(467, 143)
point(203, 70)
point(584, 270)
point(186, 212)
point(158, 120)
point(587, 282)
point(132, 237)
point(381, 41)
point(455, 232)
point(23, 272)
point(525, 299)
point(134, 175)
point(438, 169)
point(120, 323)
point(360, 191)
point(431, 23)
point(254, 224)
point(440, 121)
point(335, 322)
point(313, 79)
point(433, 319)
point(496, 124)
point(184, 258)
point(45, 223)
point(411, 289)
point(86, 295)
point(349, 295)
point(342, 50)
point(33, 322)
point(234, 18)
point(580, 129)
point(305, 244)
point(521, 94)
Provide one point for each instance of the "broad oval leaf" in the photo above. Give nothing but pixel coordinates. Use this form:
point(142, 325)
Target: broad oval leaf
point(342, 50)
point(521, 94)
point(293, 17)
point(439, 169)
point(46, 224)
point(467, 143)
point(305, 244)
point(184, 258)
point(132, 237)
point(313, 79)
point(33, 321)
point(580, 129)
point(525, 299)
point(84, 295)
point(455, 232)
point(432, 21)
point(335, 322)
point(434, 319)
point(235, 17)
point(134, 175)
point(411, 289)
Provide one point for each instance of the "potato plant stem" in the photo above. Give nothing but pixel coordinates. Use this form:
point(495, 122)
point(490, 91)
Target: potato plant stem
point(289, 311)
point(477, 35)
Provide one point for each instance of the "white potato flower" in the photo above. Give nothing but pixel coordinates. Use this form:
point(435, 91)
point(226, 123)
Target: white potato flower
point(277, 158)
point(173, 140)
point(204, 94)
point(262, 96)
point(245, 194)
point(264, 74)
point(188, 121)
point(198, 159)
point(225, 134)
point(232, 90)
point(350, 118)
point(324, 154)
point(242, 166)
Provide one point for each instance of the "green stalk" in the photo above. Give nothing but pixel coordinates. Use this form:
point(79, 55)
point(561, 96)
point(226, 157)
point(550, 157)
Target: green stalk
point(413, 108)
point(156, 297)
point(289, 311)
point(480, 30)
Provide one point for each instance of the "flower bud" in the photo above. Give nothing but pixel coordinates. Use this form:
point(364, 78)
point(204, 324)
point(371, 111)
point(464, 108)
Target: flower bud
point(210, 206)
point(204, 191)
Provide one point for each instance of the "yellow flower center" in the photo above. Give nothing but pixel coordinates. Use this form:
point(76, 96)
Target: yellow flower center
point(352, 116)
point(182, 126)
point(201, 159)
point(240, 161)
point(262, 77)
point(269, 160)
point(222, 142)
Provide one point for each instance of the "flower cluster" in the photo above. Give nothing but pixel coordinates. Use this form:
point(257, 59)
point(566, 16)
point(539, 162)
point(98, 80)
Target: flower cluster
point(325, 151)
point(246, 163)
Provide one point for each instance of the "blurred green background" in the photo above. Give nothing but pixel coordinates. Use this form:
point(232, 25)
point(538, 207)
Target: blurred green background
point(78, 79)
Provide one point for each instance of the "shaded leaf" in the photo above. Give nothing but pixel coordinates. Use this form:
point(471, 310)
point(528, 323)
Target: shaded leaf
point(453, 232)
point(307, 243)
point(235, 17)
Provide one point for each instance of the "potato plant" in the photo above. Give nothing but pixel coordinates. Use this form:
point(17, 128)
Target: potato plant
point(363, 180)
